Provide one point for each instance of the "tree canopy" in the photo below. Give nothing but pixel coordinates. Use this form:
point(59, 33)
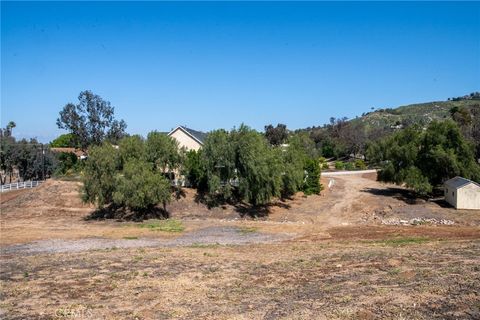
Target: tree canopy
point(91, 121)
point(131, 176)
point(32, 159)
point(241, 165)
point(139, 187)
point(276, 135)
point(258, 168)
point(423, 159)
point(66, 140)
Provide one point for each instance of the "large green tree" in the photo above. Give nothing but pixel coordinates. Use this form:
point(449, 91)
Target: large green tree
point(140, 187)
point(163, 151)
point(218, 163)
point(63, 141)
point(276, 135)
point(124, 177)
point(300, 148)
point(423, 159)
point(193, 170)
point(91, 121)
point(312, 177)
point(258, 167)
point(132, 148)
point(7, 158)
point(100, 173)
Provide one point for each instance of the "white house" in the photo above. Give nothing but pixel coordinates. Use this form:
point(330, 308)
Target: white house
point(188, 138)
point(462, 193)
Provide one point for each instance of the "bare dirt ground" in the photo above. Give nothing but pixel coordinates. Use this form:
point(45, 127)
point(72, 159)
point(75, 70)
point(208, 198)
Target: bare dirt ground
point(332, 256)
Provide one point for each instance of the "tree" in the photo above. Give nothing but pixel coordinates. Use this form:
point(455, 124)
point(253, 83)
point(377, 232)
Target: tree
point(33, 160)
point(276, 135)
point(140, 188)
point(475, 131)
point(259, 169)
point(312, 180)
point(131, 148)
point(425, 159)
point(67, 161)
point(302, 143)
point(300, 150)
point(445, 153)
point(99, 179)
point(193, 170)
point(91, 121)
point(354, 137)
point(469, 122)
point(293, 170)
point(123, 178)
point(63, 141)
point(7, 145)
point(163, 151)
point(218, 162)
point(9, 128)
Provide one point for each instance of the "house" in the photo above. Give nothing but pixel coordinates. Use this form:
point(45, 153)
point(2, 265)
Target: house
point(188, 138)
point(462, 193)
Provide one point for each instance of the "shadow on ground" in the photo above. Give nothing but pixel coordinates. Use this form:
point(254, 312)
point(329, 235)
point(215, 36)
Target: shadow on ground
point(396, 193)
point(121, 214)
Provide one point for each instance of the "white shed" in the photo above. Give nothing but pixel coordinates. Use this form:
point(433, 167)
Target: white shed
point(462, 193)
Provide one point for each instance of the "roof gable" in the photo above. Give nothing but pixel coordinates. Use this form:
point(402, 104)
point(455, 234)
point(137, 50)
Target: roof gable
point(198, 136)
point(459, 182)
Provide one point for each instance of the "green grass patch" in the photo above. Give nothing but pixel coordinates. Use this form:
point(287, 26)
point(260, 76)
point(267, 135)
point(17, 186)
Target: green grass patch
point(130, 238)
point(247, 230)
point(204, 245)
point(395, 242)
point(169, 225)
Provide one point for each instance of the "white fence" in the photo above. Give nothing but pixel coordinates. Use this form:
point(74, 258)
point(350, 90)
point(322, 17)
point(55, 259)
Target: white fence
point(20, 185)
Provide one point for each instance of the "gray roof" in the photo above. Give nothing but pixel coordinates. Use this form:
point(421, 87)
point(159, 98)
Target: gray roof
point(197, 135)
point(459, 182)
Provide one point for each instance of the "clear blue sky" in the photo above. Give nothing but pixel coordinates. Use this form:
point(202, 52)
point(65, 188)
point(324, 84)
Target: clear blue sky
point(212, 65)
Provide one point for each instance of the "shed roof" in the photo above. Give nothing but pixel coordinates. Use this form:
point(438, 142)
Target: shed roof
point(459, 182)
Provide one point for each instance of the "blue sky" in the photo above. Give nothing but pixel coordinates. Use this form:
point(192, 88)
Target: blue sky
point(218, 64)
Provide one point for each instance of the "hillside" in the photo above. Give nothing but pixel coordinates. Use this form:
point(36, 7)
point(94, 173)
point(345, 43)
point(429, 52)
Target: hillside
point(421, 113)
point(342, 137)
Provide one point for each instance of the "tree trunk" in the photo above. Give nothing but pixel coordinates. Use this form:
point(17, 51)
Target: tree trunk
point(165, 212)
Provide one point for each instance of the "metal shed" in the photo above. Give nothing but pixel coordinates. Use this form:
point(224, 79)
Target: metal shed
point(462, 193)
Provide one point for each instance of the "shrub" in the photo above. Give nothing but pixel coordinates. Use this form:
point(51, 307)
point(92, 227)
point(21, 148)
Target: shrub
point(360, 164)
point(339, 165)
point(67, 162)
point(100, 171)
point(140, 188)
point(349, 166)
point(312, 181)
point(192, 168)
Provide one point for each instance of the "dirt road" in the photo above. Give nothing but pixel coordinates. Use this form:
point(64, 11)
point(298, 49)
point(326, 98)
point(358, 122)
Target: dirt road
point(55, 211)
point(319, 257)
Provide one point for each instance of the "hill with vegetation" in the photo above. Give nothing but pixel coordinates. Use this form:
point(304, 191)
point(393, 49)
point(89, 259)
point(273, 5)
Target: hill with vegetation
point(343, 137)
point(419, 113)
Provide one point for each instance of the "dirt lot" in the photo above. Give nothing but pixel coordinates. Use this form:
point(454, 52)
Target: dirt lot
point(361, 250)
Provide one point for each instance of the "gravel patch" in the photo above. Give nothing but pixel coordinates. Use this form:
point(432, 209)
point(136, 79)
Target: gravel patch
point(206, 236)
point(226, 236)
